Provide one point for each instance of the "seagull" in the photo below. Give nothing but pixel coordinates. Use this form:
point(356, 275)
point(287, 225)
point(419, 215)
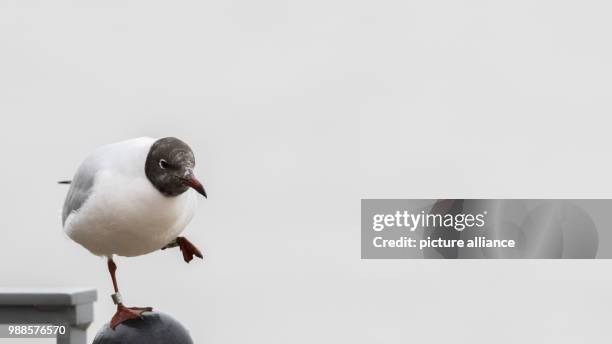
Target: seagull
point(131, 198)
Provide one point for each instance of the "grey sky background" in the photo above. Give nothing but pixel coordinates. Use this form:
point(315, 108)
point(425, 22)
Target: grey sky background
point(295, 111)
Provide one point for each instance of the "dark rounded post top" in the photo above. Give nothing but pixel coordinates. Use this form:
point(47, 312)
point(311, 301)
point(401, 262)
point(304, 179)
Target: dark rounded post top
point(153, 328)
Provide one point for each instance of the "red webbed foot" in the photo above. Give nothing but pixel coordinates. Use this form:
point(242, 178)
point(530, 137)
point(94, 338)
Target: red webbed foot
point(126, 313)
point(187, 248)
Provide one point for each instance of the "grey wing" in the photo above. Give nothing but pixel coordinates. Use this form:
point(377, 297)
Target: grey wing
point(80, 189)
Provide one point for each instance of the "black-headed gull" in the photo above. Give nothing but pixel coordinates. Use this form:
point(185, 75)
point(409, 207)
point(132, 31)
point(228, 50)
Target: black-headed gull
point(132, 198)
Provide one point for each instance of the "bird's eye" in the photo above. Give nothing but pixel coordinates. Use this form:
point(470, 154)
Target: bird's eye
point(163, 164)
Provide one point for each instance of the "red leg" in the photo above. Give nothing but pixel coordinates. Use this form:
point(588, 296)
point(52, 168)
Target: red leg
point(187, 248)
point(123, 313)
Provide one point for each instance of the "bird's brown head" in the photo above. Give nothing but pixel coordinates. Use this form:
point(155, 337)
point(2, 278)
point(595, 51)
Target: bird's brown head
point(169, 167)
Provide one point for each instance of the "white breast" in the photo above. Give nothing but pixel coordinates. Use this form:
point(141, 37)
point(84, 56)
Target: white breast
point(124, 214)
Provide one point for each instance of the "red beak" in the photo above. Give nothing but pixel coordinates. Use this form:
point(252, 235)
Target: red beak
point(194, 183)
